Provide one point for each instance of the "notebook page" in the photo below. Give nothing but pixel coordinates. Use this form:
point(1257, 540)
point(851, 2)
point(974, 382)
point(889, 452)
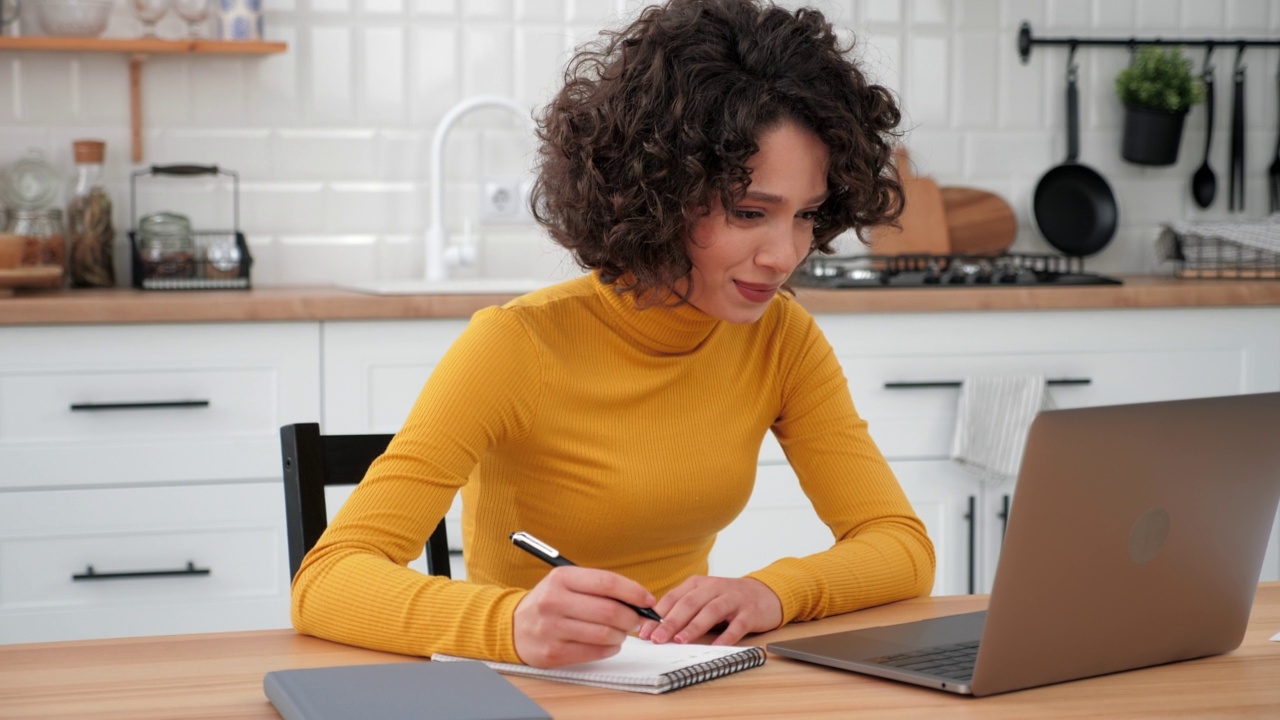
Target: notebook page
point(641, 661)
point(638, 665)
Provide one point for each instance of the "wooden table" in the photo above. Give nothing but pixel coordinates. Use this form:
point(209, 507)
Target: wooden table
point(220, 676)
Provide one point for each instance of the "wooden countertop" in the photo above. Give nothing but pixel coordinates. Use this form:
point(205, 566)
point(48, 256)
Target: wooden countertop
point(52, 307)
point(220, 676)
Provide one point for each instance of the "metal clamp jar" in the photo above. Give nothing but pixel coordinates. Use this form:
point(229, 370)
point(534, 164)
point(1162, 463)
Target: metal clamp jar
point(167, 254)
point(166, 247)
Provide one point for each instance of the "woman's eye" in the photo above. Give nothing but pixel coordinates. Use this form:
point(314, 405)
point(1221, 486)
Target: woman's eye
point(809, 215)
point(748, 214)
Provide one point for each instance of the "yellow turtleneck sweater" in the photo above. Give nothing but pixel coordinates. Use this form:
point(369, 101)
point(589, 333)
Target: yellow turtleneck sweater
point(626, 439)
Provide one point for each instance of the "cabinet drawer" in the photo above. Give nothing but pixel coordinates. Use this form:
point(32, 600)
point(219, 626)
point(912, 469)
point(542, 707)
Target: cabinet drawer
point(176, 404)
point(1127, 356)
point(103, 405)
point(142, 561)
point(919, 421)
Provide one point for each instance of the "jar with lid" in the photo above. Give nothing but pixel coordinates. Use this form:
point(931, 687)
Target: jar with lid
point(31, 183)
point(166, 246)
point(28, 188)
point(89, 230)
point(42, 229)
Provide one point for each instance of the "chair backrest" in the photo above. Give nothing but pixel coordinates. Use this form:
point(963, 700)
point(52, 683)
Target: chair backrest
point(313, 461)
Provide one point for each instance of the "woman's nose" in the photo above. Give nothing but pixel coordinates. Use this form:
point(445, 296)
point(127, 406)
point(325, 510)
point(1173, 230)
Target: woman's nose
point(783, 249)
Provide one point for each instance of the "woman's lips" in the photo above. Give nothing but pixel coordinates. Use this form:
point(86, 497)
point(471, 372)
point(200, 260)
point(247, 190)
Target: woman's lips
point(755, 292)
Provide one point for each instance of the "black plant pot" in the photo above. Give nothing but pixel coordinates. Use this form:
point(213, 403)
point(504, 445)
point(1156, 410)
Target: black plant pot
point(1151, 137)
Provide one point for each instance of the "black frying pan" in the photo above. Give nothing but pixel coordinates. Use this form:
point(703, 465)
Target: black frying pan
point(1074, 206)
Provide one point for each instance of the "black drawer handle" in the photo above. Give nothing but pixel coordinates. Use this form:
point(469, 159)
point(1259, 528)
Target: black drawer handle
point(184, 169)
point(85, 407)
point(956, 383)
point(970, 518)
point(91, 574)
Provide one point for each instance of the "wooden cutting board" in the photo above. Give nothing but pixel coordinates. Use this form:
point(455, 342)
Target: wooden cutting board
point(923, 226)
point(29, 277)
point(978, 222)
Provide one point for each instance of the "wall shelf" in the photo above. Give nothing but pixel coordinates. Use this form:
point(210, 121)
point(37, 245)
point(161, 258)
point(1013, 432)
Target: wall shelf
point(138, 50)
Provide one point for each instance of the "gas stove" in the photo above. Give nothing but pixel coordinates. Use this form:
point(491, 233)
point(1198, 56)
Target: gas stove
point(942, 271)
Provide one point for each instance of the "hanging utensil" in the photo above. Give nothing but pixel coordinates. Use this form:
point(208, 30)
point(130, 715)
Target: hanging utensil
point(1236, 179)
point(1074, 206)
point(1273, 172)
point(1204, 184)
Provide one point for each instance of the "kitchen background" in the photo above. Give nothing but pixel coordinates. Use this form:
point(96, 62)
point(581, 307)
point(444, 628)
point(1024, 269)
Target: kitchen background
point(332, 138)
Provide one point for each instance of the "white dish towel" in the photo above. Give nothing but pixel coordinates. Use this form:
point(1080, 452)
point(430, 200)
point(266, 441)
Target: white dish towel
point(993, 418)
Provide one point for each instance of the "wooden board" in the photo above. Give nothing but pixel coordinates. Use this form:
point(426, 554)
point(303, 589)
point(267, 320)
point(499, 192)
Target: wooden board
point(922, 226)
point(45, 276)
point(978, 222)
point(1231, 273)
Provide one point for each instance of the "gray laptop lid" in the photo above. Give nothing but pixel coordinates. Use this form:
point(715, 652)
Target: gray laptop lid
point(1136, 538)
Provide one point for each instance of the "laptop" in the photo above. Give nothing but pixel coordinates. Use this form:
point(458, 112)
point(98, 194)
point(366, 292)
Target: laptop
point(1136, 538)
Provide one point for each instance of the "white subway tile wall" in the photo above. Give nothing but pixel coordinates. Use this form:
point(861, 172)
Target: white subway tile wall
point(331, 139)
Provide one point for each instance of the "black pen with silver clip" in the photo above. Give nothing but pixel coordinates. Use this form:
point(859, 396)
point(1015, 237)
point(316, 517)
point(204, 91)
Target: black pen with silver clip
point(551, 556)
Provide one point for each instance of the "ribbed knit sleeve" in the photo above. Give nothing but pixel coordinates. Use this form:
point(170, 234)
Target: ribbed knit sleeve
point(354, 586)
point(882, 551)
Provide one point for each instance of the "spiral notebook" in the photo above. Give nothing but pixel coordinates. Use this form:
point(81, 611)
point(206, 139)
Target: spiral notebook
point(642, 666)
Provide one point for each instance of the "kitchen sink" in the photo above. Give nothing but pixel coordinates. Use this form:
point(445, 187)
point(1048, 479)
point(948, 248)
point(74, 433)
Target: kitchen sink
point(461, 286)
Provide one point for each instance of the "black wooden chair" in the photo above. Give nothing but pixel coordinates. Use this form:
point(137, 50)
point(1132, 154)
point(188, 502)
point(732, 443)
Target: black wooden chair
point(313, 461)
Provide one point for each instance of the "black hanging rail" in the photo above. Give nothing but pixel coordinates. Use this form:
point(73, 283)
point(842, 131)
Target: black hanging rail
point(1026, 40)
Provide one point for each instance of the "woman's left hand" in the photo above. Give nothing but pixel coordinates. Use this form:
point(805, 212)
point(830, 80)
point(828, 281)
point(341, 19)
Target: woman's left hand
point(700, 603)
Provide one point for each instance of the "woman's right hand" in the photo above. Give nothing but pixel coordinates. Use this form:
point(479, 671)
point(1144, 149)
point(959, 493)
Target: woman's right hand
point(576, 614)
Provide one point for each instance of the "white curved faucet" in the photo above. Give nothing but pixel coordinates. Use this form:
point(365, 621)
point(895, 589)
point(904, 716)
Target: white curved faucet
point(437, 263)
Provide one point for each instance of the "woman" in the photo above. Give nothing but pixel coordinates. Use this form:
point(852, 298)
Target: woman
point(691, 162)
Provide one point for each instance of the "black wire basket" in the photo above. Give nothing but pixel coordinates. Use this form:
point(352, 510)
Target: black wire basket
point(1217, 258)
point(220, 259)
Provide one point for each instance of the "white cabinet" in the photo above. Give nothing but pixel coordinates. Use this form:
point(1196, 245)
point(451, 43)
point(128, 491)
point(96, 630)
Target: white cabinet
point(373, 373)
point(113, 562)
point(904, 369)
point(374, 370)
point(149, 453)
point(779, 521)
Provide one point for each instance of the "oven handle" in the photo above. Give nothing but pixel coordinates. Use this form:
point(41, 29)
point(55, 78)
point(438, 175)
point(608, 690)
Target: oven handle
point(903, 385)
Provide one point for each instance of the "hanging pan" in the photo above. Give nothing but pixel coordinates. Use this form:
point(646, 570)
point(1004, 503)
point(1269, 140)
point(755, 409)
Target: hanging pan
point(1073, 205)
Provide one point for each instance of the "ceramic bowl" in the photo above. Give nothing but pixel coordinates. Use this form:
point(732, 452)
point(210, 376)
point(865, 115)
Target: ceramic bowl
point(74, 18)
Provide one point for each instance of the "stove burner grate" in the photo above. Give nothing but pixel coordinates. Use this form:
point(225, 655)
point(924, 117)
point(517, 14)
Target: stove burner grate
point(1010, 270)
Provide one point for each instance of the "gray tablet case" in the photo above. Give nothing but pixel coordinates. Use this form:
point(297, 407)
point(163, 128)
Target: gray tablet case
point(399, 691)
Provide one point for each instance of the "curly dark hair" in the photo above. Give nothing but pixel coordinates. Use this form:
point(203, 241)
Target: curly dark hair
point(656, 119)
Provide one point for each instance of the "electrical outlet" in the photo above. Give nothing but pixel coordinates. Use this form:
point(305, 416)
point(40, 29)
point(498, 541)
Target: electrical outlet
point(502, 200)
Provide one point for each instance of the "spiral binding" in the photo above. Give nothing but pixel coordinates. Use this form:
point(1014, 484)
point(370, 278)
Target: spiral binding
point(713, 669)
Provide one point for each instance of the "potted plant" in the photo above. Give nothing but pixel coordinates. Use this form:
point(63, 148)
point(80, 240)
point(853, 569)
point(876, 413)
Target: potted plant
point(1157, 89)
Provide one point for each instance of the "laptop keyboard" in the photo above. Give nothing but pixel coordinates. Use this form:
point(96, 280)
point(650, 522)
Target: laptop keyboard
point(954, 662)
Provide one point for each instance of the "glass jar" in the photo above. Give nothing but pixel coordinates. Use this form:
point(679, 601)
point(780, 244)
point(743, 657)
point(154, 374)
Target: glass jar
point(31, 183)
point(166, 247)
point(221, 256)
point(90, 232)
point(46, 243)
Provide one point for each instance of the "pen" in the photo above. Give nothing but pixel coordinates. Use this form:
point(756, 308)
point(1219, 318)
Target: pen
point(551, 556)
